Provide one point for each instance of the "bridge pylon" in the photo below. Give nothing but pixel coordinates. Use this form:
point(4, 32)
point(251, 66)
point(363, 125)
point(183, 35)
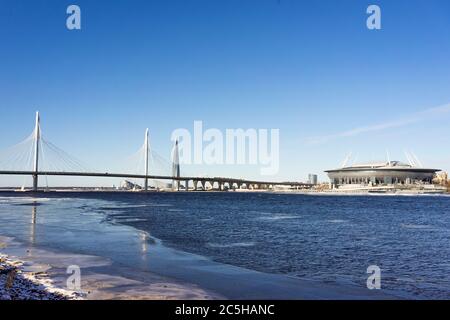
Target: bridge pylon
point(176, 168)
point(146, 151)
point(37, 137)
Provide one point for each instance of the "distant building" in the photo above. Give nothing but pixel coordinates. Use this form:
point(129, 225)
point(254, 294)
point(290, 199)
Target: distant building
point(128, 185)
point(312, 178)
point(379, 174)
point(441, 178)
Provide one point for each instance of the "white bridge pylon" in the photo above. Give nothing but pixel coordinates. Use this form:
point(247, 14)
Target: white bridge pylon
point(37, 137)
point(146, 152)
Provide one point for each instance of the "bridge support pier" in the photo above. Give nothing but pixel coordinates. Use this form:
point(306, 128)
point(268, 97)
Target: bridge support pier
point(35, 182)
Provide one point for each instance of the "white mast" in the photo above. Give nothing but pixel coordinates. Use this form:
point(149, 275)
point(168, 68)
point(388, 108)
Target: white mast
point(416, 160)
point(176, 167)
point(347, 158)
point(410, 160)
point(37, 136)
point(146, 151)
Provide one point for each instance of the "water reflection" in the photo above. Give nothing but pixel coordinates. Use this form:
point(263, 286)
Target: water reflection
point(33, 222)
point(143, 239)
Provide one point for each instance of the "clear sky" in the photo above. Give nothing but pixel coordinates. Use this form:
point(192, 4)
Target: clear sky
point(310, 68)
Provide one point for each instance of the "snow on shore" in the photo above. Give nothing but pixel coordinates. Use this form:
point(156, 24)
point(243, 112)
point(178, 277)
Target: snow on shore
point(16, 284)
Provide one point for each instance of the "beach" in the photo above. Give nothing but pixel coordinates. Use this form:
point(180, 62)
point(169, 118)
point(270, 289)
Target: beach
point(19, 282)
point(40, 275)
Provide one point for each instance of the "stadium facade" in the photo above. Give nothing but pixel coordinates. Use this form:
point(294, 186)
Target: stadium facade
point(381, 174)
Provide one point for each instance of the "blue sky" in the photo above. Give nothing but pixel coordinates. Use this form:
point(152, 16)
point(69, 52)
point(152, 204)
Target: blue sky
point(310, 68)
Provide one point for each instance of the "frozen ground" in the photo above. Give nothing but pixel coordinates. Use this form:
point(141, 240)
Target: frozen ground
point(28, 273)
point(18, 284)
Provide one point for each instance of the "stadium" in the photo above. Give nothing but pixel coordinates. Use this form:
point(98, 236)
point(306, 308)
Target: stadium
point(381, 174)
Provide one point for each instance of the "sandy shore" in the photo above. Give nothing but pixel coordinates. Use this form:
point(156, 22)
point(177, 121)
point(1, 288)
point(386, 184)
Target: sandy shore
point(42, 274)
point(18, 284)
point(36, 274)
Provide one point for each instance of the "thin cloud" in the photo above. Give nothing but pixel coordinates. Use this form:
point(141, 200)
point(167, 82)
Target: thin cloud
point(414, 118)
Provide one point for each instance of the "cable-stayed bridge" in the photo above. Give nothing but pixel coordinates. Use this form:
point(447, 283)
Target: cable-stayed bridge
point(37, 157)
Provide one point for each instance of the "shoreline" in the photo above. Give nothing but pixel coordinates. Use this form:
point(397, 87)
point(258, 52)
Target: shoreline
point(20, 280)
point(199, 279)
point(40, 274)
point(355, 192)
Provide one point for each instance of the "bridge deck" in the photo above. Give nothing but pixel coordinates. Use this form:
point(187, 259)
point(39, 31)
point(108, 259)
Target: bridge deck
point(151, 177)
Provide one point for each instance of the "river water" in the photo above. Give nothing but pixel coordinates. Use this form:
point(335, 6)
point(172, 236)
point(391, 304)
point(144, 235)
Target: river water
point(330, 239)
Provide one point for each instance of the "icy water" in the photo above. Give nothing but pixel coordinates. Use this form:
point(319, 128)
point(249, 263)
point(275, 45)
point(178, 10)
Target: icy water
point(332, 239)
